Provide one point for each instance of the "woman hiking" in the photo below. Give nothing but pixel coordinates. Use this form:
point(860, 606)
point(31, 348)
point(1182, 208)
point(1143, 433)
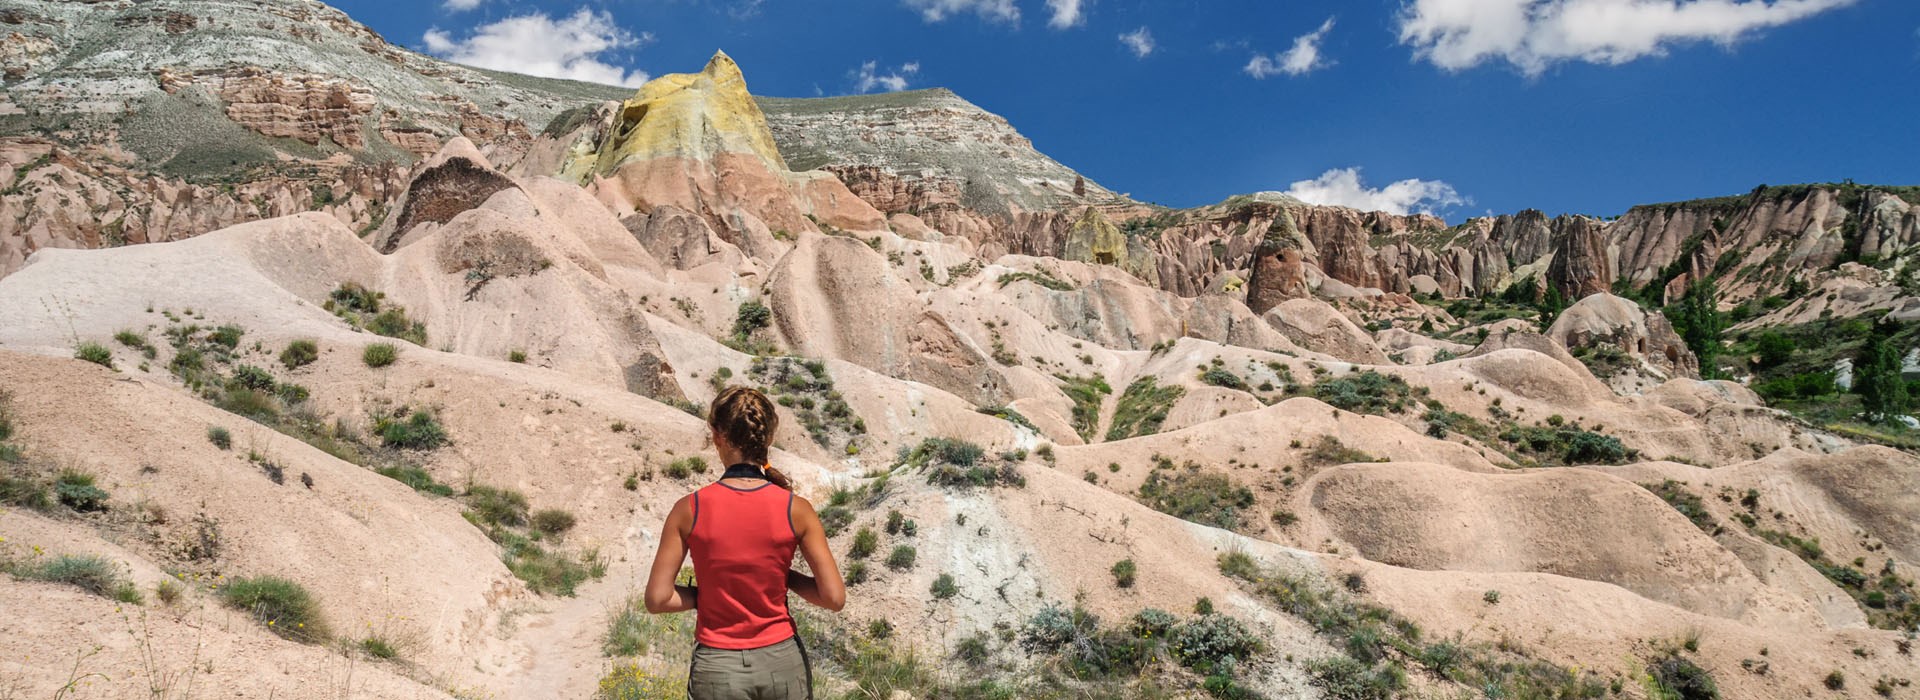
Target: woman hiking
point(742, 531)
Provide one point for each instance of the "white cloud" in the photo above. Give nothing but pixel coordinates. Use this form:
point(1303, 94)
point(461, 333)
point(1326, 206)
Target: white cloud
point(1342, 187)
point(460, 5)
point(1302, 59)
point(537, 44)
point(1533, 35)
point(1067, 14)
point(869, 77)
point(1139, 41)
point(990, 10)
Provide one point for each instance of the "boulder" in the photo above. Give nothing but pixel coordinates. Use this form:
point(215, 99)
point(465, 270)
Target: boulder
point(1607, 320)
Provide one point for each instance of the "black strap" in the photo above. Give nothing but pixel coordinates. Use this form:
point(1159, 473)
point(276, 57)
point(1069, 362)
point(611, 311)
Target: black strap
point(744, 470)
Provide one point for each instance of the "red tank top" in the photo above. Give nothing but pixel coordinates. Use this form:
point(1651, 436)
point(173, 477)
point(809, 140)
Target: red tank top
point(742, 545)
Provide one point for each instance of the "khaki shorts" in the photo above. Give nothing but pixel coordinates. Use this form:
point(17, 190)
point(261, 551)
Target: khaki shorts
point(776, 672)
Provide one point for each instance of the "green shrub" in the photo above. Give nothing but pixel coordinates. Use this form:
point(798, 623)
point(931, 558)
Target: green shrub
point(1222, 377)
point(1328, 450)
point(1676, 678)
point(493, 506)
point(627, 681)
point(1143, 408)
point(865, 543)
point(393, 323)
point(517, 356)
point(951, 462)
point(751, 316)
point(168, 591)
point(378, 648)
point(227, 336)
point(254, 378)
point(943, 587)
point(1239, 565)
point(350, 296)
point(290, 393)
point(299, 353)
point(1152, 623)
point(92, 574)
point(1346, 679)
point(1367, 392)
point(856, 573)
point(1124, 572)
point(378, 355)
point(411, 430)
point(95, 353)
point(552, 521)
point(545, 571)
point(1205, 498)
point(1210, 640)
point(25, 492)
point(1837, 680)
point(76, 490)
point(131, 339)
point(902, 557)
point(1086, 393)
point(686, 467)
point(415, 478)
point(1039, 277)
point(283, 606)
point(1689, 504)
point(220, 437)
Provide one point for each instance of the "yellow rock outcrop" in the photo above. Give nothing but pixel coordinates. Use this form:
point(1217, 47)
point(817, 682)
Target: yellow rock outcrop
point(694, 115)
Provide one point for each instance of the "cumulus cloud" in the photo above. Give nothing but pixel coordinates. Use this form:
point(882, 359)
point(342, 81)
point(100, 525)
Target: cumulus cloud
point(1067, 14)
point(1343, 187)
point(1139, 41)
point(460, 5)
point(990, 10)
point(537, 44)
point(1302, 59)
point(1533, 35)
point(868, 77)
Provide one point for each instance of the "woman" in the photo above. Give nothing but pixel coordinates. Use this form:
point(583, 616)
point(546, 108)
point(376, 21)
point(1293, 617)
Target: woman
point(742, 531)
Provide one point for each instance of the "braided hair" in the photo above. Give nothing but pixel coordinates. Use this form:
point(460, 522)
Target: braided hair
point(746, 418)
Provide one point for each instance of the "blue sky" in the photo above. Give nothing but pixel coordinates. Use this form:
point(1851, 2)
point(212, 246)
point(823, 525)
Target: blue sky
point(1462, 107)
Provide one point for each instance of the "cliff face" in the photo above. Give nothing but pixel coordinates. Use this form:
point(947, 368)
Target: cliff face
point(128, 122)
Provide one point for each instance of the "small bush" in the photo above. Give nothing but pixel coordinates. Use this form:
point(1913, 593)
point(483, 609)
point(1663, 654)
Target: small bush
point(283, 606)
point(220, 437)
point(1143, 408)
point(865, 543)
point(1153, 623)
point(1677, 678)
point(25, 493)
point(943, 587)
point(299, 353)
point(1205, 498)
point(168, 591)
point(1222, 377)
point(1209, 640)
point(1347, 679)
point(379, 355)
point(856, 573)
point(686, 467)
point(415, 478)
point(552, 521)
point(1837, 680)
point(1366, 392)
point(227, 335)
point(1124, 572)
point(92, 574)
point(95, 353)
point(254, 378)
point(76, 490)
point(902, 557)
point(418, 430)
point(378, 648)
point(1491, 597)
point(393, 323)
point(497, 506)
point(350, 296)
point(1238, 565)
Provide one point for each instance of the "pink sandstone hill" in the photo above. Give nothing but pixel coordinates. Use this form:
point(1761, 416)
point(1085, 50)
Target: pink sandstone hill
point(457, 424)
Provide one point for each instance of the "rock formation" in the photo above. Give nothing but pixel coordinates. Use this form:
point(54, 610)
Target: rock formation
point(1605, 320)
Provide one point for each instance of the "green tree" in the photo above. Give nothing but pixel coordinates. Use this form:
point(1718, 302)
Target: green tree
point(1876, 372)
point(1697, 317)
point(1774, 349)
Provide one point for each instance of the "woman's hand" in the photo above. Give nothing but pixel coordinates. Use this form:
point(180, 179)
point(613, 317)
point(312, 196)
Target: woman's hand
point(663, 595)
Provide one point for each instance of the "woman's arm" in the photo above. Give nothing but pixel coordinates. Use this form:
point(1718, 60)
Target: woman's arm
point(824, 588)
point(662, 595)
